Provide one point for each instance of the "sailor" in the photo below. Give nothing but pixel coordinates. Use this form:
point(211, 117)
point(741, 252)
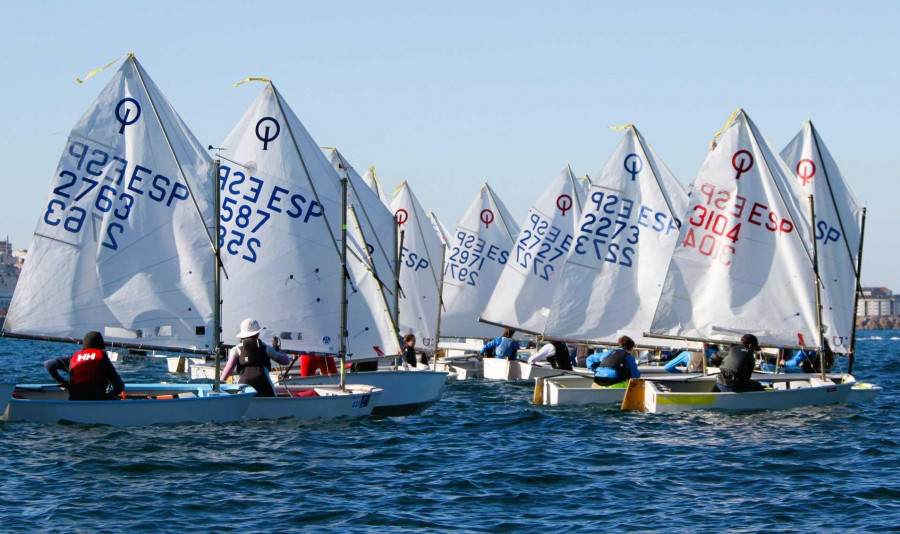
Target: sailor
point(555, 352)
point(90, 371)
point(504, 346)
point(614, 368)
point(252, 359)
point(409, 351)
point(737, 367)
point(692, 360)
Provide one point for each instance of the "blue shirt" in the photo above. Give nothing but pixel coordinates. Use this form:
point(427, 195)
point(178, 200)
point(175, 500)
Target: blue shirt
point(593, 363)
point(504, 347)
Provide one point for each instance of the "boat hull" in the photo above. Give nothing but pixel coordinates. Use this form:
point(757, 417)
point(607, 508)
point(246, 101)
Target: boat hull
point(405, 392)
point(195, 403)
point(356, 401)
point(573, 390)
point(696, 394)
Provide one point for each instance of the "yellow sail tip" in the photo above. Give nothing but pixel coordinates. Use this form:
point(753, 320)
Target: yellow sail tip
point(246, 80)
point(101, 69)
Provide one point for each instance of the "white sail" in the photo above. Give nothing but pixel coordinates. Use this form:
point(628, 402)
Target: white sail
point(281, 216)
point(420, 258)
point(837, 230)
point(476, 255)
point(741, 263)
point(370, 315)
point(371, 180)
point(122, 246)
point(614, 271)
point(524, 293)
point(370, 260)
point(439, 227)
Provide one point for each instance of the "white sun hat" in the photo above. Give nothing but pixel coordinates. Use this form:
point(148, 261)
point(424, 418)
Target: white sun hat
point(249, 328)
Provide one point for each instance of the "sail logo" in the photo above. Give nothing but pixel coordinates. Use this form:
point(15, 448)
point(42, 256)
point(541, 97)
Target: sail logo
point(128, 111)
point(267, 135)
point(402, 216)
point(741, 161)
point(637, 165)
point(806, 169)
point(487, 217)
point(564, 203)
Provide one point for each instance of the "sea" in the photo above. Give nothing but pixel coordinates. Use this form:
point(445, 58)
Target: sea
point(483, 459)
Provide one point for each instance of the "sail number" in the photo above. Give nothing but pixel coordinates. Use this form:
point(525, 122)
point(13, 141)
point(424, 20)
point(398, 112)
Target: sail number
point(612, 229)
point(541, 247)
point(92, 184)
point(248, 204)
point(468, 257)
point(716, 222)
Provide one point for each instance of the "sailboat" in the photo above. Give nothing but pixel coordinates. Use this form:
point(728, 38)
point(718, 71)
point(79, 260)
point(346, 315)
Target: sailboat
point(419, 273)
point(289, 269)
point(122, 247)
point(838, 232)
point(281, 212)
point(522, 296)
point(613, 271)
point(741, 265)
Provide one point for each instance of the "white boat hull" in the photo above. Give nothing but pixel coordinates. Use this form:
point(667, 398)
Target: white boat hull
point(461, 369)
point(405, 392)
point(195, 403)
point(183, 364)
point(573, 390)
point(355, 401)
point(696, 394)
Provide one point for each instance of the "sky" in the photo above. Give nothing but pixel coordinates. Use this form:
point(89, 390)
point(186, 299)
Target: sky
point(449, 95)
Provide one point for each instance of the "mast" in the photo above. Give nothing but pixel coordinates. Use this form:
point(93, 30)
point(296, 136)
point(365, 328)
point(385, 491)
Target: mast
point(437, 331)
point(815, 258)
point(217, 283)
point(398, 245)
point(862, 233)
point(342, 355)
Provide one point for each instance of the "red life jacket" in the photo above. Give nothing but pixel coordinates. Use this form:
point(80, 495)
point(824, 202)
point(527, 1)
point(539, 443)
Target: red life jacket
point(84, 367)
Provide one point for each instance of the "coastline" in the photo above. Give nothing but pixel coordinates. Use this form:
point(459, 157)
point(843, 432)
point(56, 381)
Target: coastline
point(881, 322)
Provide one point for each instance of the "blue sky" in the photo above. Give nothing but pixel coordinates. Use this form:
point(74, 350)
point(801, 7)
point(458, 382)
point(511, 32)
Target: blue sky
point(450, 95)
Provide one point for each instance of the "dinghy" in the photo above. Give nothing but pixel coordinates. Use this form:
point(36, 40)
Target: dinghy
point(143, 405)
point(745, 262)
point(122, 247)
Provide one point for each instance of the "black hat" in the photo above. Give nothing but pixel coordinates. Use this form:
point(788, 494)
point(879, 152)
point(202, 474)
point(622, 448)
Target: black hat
point(94, 340)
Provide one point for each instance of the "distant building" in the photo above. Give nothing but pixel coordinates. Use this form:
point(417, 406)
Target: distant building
point(10, 267)
point(877, 301)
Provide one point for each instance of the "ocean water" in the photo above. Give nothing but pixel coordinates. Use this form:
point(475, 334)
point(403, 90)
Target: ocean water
point(483, 459)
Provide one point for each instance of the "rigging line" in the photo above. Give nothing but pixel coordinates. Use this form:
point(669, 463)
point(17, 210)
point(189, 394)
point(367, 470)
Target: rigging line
point(369, 264)
point(574, 183)
point(644, 148)
point(363, 209)
point(424, 242)
point(834, 204)
point(386, 307)
point(187, 183)
point(309, 179)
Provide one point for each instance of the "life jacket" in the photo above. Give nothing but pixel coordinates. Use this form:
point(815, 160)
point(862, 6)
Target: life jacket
point(737, 366)
point(253, 354)
point(617, 360)
point(84, 367)
point(560, 358)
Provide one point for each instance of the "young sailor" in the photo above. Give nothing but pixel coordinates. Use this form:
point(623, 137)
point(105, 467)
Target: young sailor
point(555, 352)
point(613, 369)
point(504, 346)
point(252, 359)
point(90, 371)
point(737, 367)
